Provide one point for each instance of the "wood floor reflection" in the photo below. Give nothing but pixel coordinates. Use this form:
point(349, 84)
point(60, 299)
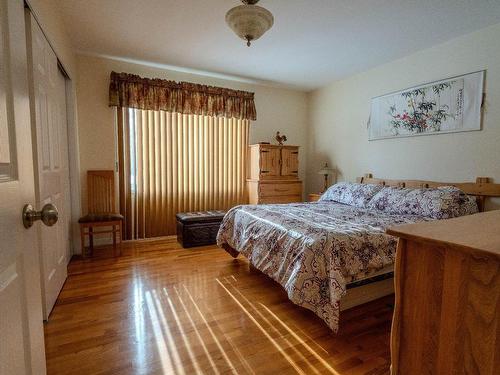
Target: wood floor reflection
point(162, 309)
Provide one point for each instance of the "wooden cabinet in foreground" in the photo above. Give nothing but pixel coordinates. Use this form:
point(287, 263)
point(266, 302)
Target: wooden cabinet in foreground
point(447, 282)
point(274, 174)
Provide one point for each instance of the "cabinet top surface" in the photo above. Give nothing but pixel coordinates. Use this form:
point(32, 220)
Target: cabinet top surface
point(273, 146)
point(479, 232)
point(277, 181)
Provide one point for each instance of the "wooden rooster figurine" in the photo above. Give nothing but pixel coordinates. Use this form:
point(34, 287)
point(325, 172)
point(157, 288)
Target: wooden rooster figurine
point(280, 138)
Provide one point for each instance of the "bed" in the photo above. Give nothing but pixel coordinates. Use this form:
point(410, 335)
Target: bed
point(333, 254)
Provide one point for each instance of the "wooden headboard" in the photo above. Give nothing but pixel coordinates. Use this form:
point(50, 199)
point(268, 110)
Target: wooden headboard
point(481, 189)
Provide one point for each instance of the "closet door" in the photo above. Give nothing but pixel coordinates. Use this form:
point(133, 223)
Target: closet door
point(49, 126)
point(290, 162)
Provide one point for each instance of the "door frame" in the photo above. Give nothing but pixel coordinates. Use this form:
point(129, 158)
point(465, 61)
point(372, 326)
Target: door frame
point(73, 163)
point(73, 144)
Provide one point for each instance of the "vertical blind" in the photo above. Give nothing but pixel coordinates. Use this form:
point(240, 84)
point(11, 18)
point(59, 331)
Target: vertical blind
point(172, 162)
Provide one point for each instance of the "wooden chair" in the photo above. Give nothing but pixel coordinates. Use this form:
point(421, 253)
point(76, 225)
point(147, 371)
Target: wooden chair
point(101, 210)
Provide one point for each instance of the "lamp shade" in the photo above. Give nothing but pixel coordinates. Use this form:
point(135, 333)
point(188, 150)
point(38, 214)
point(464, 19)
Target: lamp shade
point(326, 170)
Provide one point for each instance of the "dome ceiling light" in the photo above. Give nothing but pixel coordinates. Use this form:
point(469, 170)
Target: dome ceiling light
point(249, 21)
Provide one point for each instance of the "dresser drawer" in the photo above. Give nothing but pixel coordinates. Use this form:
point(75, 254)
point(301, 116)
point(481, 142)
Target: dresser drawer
point(281, 199)
point(277, 189)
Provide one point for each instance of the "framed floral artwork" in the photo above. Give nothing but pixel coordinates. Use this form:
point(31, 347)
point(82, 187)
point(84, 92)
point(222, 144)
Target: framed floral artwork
point(446, 106)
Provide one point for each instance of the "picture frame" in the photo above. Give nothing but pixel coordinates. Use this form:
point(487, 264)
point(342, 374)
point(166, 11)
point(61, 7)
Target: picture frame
point(446, 106)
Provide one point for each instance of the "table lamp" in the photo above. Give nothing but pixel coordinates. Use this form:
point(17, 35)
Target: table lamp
point(326, 171)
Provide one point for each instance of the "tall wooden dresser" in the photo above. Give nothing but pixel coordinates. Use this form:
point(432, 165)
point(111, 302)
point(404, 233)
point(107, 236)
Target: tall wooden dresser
point(274, 174)
point(447, 282)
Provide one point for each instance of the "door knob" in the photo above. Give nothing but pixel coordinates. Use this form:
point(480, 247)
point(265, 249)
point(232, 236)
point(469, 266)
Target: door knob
point(48, 215)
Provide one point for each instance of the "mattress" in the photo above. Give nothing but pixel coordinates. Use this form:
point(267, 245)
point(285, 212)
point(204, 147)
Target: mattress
point(313, 249)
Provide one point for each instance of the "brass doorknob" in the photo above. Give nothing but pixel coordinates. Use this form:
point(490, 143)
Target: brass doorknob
point(48, 215)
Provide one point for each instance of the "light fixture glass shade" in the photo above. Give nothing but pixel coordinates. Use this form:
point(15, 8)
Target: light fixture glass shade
point(326, 170)
point(249, 22)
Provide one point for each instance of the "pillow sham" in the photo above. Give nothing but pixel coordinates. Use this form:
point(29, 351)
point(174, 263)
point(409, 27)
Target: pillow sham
point(351, 193)
point(438, 203)
point(468, 207)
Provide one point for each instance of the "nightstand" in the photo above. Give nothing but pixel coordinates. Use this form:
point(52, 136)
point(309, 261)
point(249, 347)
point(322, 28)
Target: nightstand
point(313, 197)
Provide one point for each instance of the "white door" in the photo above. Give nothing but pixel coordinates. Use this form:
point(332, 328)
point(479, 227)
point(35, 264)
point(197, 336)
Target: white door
point(21, 331)
point(49, 129)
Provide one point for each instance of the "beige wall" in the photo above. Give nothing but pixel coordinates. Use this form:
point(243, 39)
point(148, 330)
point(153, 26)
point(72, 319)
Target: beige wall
point(277, 109)
point(48, 15)
point(339, 112)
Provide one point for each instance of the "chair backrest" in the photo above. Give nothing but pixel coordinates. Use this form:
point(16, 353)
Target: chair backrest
point(101, 192)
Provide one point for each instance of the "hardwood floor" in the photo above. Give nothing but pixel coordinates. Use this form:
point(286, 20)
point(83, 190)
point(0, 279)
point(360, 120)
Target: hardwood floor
point(162, 309)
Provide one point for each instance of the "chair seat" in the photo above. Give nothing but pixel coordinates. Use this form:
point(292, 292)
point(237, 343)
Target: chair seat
point(100, 218)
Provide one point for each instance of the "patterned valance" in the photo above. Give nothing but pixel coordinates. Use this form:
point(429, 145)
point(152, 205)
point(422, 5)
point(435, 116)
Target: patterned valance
point(129, 90)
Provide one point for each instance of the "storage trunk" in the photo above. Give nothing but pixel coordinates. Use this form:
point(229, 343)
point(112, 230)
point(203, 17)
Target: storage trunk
point(198, 228)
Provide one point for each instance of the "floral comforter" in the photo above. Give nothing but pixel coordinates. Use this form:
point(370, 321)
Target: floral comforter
point(313, 249)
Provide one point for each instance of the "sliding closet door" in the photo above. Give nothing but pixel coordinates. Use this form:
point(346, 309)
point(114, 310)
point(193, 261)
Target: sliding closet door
point(49, 127)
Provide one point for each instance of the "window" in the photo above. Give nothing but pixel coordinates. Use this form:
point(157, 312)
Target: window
point(172, 162)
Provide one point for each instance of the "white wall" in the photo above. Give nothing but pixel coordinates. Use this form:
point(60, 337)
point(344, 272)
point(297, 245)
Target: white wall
point(339, 112)
point(277, 109)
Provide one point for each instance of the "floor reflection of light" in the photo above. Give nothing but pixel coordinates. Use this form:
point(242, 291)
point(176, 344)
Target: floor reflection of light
point(166, 362)
point(138, 307)
point(214, 337)
point(183, 334)
point(171, 347)
point(235, 349)
point(275, 330)
point(309, 349)
point(310, 339)
point(291, 332)
point(197, 332)
point(264, 331)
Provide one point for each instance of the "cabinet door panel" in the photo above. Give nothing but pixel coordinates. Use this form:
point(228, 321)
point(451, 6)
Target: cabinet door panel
point(269, 162)
point(290, 162)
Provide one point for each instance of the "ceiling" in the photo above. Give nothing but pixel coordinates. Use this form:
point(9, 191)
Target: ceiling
point(312, 42)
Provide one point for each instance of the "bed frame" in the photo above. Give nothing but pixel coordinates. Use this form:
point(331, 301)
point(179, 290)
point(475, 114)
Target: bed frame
point(483, 187)
point(376, 287)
